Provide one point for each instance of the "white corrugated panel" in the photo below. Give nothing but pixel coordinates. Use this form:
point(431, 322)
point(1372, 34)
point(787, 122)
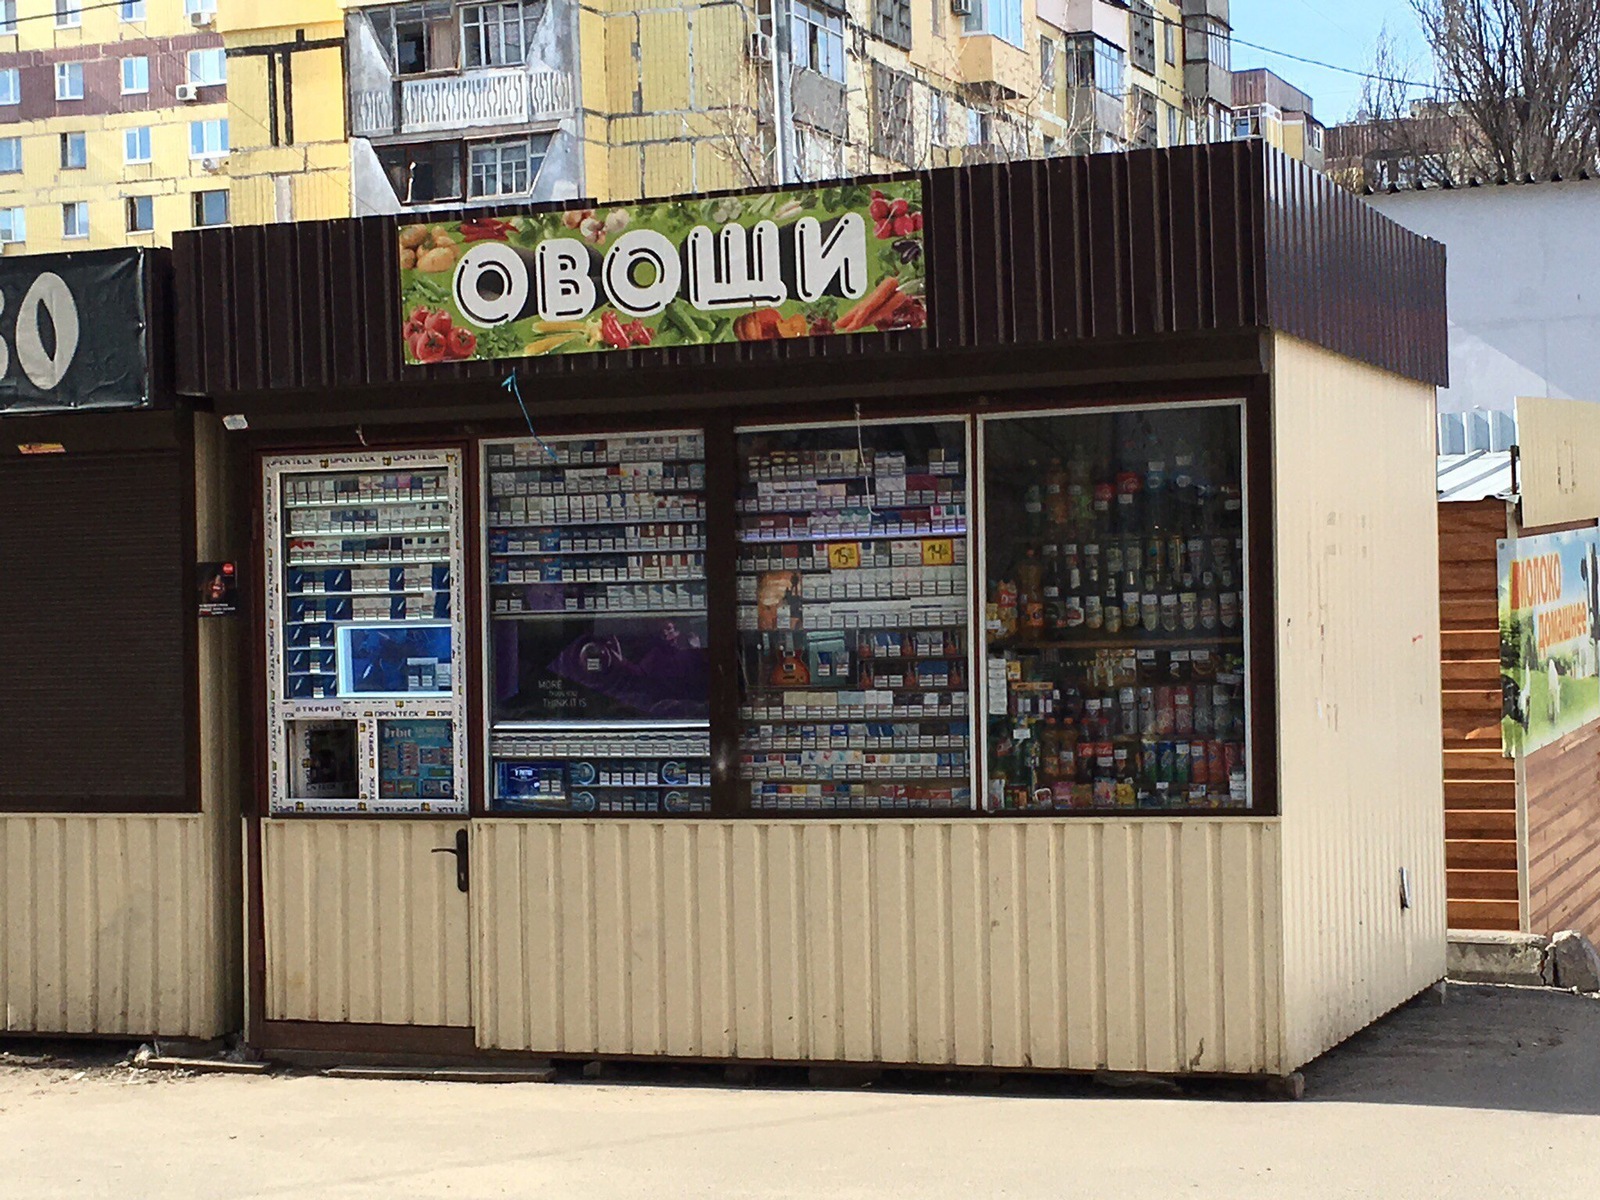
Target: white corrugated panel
point(112, 925)
point(1130, 945)
point(364, 923)
point(1358, 691)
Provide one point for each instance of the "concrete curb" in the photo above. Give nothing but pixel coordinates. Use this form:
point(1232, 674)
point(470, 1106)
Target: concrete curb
point(1568, 960)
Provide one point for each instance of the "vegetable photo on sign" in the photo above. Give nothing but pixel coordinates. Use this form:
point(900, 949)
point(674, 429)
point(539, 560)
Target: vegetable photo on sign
point(762, 267)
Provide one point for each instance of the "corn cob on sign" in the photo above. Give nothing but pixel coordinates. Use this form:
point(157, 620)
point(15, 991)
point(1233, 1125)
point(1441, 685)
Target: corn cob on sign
point(761, 267)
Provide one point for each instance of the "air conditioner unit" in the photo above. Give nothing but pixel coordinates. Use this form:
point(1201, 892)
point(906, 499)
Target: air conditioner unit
point(213, 164)
point(202, 20)
point(961, 8)
point(187, 92)
point(761, 47)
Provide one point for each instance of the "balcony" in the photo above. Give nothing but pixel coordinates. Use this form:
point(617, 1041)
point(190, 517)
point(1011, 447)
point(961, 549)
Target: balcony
point(496, 96)
point(987, 59)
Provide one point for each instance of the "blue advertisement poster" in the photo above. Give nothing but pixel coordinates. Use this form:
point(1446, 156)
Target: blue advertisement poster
point(1549, 619)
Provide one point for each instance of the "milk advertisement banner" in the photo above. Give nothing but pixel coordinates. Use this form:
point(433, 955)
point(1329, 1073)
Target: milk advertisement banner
point(1549, 621)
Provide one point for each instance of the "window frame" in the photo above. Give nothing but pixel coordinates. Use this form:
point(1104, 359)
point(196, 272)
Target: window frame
point(131, 11)
point(142, 132)
point(1003, 19)
point(132, 207)
point(69, 14)
point(70, 139)
point(891, 21)
point(191, 7)
point(141, 85)
point(819, 29)
point(531, 162)
point(80, 208)
point(8, 18)
point(198, 202)
point(13, 142)
point(1048, 70)
point(207, 54)
point(204, 126)
point(12, 218)
point(66, 71)
point(493, 19)
point(13, 92)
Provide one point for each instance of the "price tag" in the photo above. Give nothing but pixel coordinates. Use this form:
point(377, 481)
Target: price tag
point(938, 552)
point(844, 556)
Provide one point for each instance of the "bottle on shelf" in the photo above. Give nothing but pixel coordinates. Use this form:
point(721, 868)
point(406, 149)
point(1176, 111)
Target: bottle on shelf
point(1072, 603)
point(1057, 499)
point(1033, 501)
point(1093, 590)
point(1055, 617)
point(1030, 596)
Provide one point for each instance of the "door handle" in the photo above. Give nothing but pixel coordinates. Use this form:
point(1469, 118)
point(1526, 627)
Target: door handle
point(463, 861)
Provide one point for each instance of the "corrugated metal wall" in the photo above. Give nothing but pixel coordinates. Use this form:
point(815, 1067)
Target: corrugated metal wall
point(1358, 687)
point(112, 925)
point(364, 923)
point(1131, 945)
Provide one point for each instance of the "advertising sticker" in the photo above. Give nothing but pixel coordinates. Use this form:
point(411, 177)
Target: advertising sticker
point(1549, 618)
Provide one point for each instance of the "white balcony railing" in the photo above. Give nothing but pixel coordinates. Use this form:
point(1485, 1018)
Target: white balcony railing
point(496, 96)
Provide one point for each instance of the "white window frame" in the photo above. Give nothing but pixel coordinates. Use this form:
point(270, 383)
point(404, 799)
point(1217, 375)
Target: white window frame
point(8, 18)
point(1047, 62)
point(65, 72)
point(218, 125)
point(190, 7)
point(12, 93)
point(484, 30)
point(216, 55)
point(131, 11)
point(10, 143)
point(132, 202)
point(141, 83)
point(195, 203)
point(938, 118)
point(998, 18)
point(13, 225)
point(78, 228)
point(509, 155)
point(816, 35)
point(132, 139)
point(69, 14)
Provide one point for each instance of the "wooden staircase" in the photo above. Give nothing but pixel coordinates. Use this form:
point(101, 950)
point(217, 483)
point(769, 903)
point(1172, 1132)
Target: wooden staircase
point(1480, 795)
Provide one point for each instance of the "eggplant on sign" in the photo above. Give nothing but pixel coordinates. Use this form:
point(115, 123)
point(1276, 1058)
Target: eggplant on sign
point(759, 267)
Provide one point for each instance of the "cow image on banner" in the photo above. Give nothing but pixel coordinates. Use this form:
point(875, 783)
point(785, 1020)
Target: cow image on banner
point(1549, 626)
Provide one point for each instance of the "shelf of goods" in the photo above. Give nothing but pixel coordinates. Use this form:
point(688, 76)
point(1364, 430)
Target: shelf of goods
point(853, 619)
point(595, 573)
point(366, 576)
point(1115, 616)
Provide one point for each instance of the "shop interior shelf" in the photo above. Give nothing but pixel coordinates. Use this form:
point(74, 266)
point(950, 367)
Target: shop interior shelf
point(619, 582)
point(887, 502)
point(367, 502)
point(912, 469)
point(591, 613)
point(630, 521)
point(635, 547)
point(851, 535)
point(304, 595)
point(354, 533)
point(1123, 641)
point(400, 561)
point(862, 714)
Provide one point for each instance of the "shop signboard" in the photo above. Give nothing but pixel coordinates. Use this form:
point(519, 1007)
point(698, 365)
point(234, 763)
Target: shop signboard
point(1549, 620)
point(73, 331)
point(791, 264)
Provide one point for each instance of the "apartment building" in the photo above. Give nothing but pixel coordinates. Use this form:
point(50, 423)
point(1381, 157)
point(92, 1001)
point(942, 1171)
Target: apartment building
point(114, 125)
point(356, 107)
point(1268, 107)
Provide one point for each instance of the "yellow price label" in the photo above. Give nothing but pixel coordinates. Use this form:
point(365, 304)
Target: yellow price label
point(938, 552)
point(844, 556)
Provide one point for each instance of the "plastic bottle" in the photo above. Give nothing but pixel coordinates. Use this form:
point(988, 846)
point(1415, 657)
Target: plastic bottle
point(1030, 596)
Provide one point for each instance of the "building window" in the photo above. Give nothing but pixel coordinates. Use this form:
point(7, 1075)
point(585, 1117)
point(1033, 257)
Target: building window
point(1142, 39)
point(10, 86)
point(1144, 119)
point(980, 127)
point(207, 68)
point(208, 138)
point(1174, 127)
point(13, 225)
point(1002, 18)
point(69, 81)
point(211, 208)
point(817, 35)
point(418, 38)
point(135, 75)
point(8, 16)
point(75, 219)
point(141, 214)
point(1047, 63)
point(1093, 62)
point(131, 10)
point(505, 168)
point(1169, 41)
point(893, 131)
point(192, 7)
point(1247, 122)
point(1314, 135)
point(69, 14)
point(10, 156)
point(74, 151)
point(136, 145)
point(891, 20)
point(1219, 44)
point(496, 35)
point(938, 118)
point(428, 173)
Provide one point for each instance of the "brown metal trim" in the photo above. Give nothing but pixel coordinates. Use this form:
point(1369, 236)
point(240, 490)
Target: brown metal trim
point(1260, 542)
point(722, 592)
point(314, 1036)
point(188, 548)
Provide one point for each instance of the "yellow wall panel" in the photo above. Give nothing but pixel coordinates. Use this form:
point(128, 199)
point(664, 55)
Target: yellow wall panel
point(1358, 686)
point(1130, 945)
point(664, 62)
